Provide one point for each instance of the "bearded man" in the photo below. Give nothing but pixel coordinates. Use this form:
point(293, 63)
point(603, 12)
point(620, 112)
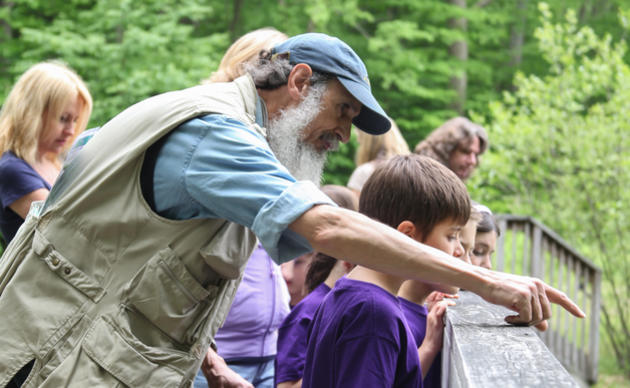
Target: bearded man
point(457, 144)
point(130, 267)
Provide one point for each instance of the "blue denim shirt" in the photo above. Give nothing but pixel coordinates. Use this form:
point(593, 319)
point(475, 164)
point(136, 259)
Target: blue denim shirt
point(217, 167)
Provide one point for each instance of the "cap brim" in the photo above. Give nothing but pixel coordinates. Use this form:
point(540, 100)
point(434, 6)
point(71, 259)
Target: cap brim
point(372, 118)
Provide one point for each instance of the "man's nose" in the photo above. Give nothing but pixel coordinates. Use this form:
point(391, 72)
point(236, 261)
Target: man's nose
point(343, 132)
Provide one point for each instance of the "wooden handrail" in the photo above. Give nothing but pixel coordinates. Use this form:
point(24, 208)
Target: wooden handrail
point(481, 350)
point(528, 247)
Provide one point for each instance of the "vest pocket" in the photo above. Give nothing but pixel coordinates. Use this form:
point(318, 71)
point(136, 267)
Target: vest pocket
point(106, 359)
point(169, 297)
point(65, 269)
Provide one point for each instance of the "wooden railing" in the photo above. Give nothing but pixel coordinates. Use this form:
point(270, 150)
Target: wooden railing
point(528, 247)
point(481, 350)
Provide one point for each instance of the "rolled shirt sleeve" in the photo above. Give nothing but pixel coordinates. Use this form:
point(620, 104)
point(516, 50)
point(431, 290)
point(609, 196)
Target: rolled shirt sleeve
point(217, 167)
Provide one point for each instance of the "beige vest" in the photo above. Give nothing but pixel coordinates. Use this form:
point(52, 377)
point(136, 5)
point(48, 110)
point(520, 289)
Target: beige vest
point(102, 292)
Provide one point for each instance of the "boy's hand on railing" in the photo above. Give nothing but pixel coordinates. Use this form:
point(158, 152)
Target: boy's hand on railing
point(432, 343)
point(437, 296)
point(530, 297)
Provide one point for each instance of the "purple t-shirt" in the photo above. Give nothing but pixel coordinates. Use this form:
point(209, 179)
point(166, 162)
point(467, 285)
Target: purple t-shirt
point(359, 338)
point(17, 179)
point(416, 316)
point(292, 336)
point(260, 305)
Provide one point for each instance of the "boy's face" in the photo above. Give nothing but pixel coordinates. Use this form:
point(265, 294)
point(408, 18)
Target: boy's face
point(467, 238)
point(445, 237)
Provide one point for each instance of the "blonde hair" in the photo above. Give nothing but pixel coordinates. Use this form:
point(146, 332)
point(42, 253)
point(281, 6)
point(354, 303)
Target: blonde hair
point(245, 49)
point(40, 94)
point(384, 146)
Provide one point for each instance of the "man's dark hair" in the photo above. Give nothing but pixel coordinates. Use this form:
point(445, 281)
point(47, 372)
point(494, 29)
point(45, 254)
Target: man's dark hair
point(273, 72)
point(414, 188)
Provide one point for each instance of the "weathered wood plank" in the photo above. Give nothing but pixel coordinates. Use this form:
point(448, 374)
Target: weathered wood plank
point(481, 350)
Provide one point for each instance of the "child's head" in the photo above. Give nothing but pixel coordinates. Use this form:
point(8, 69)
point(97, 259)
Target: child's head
point(468, 233)
point(322, 266)
point(486, 239)
point(342, 196)
point(420, 191)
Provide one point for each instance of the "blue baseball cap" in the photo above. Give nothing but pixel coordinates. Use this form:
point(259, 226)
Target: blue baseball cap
point(327, 54)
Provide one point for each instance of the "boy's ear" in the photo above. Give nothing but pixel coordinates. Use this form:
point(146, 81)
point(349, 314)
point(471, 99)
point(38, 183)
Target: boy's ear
point(347, 265)
point(407, 228)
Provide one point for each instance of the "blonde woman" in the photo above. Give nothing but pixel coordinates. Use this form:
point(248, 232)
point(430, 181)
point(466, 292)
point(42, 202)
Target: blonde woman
point(42, 115)
point(374, 149)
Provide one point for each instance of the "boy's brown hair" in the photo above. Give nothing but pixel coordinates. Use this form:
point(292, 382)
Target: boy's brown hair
point(415, 188)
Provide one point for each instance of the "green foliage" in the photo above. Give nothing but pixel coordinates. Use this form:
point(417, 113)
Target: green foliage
point(561, 152)
point(127, 51)
point(559, 140)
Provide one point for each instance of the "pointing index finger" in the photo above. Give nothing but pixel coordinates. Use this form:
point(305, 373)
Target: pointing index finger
point(560, 298)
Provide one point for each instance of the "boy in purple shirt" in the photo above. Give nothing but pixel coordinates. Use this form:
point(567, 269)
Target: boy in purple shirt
point(426, 322)
point(359, 335)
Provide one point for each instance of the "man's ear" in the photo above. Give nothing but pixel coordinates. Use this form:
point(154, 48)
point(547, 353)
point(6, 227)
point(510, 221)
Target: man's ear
point(299, 80)
point(408, 228)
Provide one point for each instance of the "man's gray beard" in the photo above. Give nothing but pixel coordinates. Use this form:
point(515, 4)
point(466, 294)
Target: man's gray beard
point(285, 134)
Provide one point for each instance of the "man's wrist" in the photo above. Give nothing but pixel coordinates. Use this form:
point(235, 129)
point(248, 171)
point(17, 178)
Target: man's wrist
point(481, 282)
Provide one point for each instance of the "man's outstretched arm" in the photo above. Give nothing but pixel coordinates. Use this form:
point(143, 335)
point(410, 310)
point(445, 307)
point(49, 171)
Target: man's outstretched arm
point(351, 236)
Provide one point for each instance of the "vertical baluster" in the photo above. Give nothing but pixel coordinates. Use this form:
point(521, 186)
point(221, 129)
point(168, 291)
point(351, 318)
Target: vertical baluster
point(544, 246)
point(530, 253)
point(577, 349)
point(594, 323)
point(584, 306)
point(551, 281)
point(558, 311)
point(514, 242)
point(503, 225)
point(569, 321)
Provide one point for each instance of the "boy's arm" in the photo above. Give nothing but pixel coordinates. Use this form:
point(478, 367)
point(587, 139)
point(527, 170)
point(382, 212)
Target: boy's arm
point(432, 343)
point(353, 237)
point(291, 384)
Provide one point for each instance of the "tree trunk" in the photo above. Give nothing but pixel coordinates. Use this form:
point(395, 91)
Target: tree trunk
point(517, 34)
point(7, 35)
point(459, 51)
point(236, 15)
